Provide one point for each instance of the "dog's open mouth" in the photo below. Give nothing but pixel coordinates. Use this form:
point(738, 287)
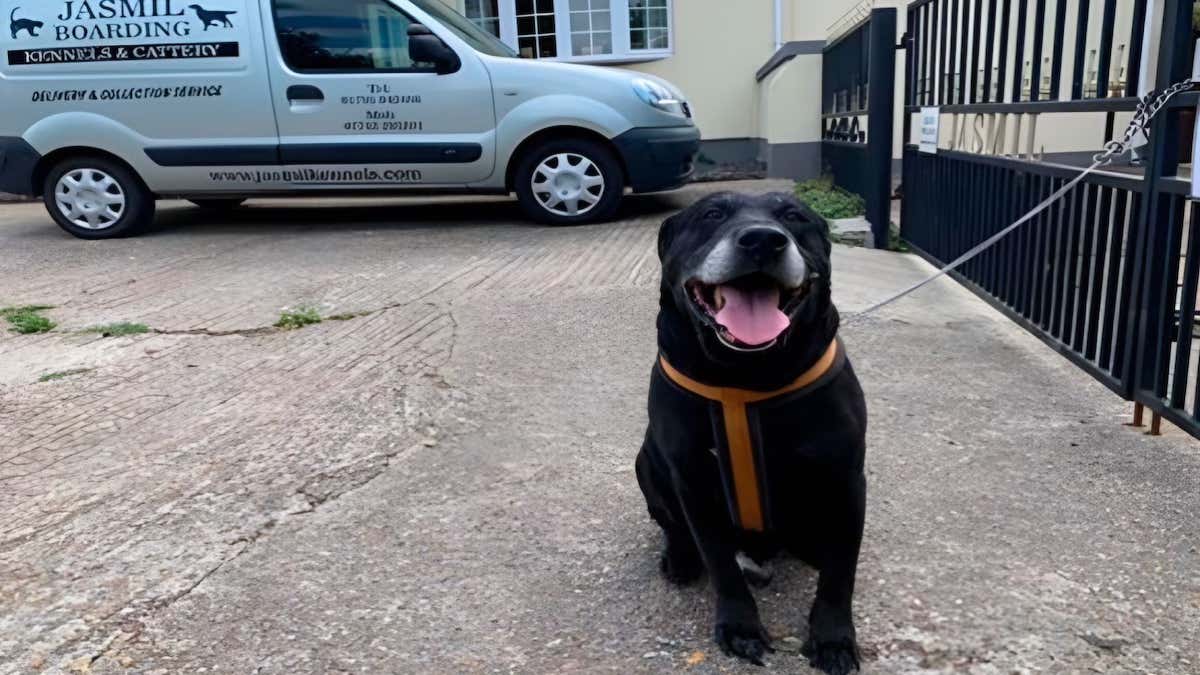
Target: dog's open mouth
point(748, 312)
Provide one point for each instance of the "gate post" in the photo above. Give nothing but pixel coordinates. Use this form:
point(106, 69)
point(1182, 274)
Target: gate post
point(1155, 219)
point(881, 102)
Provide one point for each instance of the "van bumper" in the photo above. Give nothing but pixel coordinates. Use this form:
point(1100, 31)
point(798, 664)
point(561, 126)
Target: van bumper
point(17, 162)
point(658, 158)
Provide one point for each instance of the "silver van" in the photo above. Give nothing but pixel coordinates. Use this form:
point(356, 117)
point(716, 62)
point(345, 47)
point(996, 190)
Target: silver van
point(107, 105)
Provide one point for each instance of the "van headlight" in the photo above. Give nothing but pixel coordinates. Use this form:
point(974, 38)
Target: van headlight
point(658, 96)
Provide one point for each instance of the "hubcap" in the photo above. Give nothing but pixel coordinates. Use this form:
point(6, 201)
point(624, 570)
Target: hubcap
point(90, 198)
point(568, 184)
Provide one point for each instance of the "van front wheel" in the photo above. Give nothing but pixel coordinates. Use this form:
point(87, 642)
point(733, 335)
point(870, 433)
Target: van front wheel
point(97, 198)
point(569, 181)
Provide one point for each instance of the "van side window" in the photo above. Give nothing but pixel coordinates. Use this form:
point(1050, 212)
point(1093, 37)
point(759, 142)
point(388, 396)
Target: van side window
point(344, 36)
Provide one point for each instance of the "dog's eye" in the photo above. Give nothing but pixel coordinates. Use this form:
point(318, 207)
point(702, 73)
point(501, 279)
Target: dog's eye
point(714, 214)
point(793, 217)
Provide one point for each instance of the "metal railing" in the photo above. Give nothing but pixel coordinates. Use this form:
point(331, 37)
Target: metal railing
point(858, 109)
point(1110, 275)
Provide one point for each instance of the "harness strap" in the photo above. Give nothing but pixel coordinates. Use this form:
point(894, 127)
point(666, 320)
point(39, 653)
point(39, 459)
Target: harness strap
point(748, 497)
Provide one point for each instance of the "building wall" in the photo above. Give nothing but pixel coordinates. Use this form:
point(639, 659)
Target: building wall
point(770, 127)
point(718, 47)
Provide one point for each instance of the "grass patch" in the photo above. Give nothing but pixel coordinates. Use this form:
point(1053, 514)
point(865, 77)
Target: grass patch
point(27, 319)
point(50, 377)
point(298, 318)
point(828, 200)
point(118, 329)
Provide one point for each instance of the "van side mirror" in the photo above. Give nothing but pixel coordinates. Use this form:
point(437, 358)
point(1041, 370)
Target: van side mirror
point(425, 47)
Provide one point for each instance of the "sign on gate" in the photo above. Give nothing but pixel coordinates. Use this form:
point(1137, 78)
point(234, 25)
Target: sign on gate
point(930, 117)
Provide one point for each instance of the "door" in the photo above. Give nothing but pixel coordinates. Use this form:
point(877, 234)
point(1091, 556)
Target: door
point(355, 111)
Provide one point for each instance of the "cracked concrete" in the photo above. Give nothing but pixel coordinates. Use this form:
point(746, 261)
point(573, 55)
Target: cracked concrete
point(445, 483)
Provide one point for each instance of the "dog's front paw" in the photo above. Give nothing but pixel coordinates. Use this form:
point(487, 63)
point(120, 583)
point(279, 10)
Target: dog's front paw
point(835, 658)
point(832, 646)
point(741, 634)
point(679, 568)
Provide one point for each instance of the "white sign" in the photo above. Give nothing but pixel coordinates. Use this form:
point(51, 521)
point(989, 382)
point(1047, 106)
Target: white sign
point(929, 130)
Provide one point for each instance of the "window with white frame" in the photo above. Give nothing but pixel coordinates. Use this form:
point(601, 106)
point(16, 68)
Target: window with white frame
point(537, 33)
point(649, 25)
point(485, 14)
point(591, 27)
point(578, 30)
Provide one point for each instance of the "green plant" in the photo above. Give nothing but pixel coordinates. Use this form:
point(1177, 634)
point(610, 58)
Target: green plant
point(50, 377)
point(27, 319)
point(118, 329)
point(828, 200)
point(895, 243)
point(298, 318)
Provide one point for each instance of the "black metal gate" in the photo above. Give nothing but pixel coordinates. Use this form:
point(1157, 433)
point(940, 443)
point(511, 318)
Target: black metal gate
point(858, 82)
point(1109, 275)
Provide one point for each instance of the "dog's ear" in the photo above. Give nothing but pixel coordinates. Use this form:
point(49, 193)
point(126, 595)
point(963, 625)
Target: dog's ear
point(667, 232)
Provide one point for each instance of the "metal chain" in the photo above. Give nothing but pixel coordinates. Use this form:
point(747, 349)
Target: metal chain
point(1147, 108)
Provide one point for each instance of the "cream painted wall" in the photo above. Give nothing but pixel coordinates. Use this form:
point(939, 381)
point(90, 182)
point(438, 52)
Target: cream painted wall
point(790, 102)
point(719, 45)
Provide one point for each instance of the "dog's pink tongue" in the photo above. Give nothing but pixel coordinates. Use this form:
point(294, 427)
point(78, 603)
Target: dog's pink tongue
point(752, 316)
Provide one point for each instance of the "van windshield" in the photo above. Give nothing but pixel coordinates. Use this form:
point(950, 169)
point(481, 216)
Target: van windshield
point(479, 39)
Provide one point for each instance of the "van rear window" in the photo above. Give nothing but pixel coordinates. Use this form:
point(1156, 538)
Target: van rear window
point(344, 35)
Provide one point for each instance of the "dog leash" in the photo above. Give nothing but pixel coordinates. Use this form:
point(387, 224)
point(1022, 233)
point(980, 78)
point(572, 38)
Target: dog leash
point(1149, 106)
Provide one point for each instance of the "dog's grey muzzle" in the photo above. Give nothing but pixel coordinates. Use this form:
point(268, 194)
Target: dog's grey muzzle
point(763, 248)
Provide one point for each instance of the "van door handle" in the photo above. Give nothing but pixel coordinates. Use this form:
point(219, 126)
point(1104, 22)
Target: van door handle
point(304, 92)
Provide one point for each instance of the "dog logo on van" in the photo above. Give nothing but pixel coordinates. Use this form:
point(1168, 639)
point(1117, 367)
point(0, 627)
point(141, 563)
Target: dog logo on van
point(212, 17)
point(16, 25)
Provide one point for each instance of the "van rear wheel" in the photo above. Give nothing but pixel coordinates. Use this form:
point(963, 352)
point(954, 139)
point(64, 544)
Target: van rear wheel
point(97, 198)
point(569, 181)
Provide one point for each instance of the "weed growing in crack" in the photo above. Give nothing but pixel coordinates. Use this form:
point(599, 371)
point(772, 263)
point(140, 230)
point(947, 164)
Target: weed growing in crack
point(50, 377)
point(298, 318)
point(118, 329)
point(27, 319)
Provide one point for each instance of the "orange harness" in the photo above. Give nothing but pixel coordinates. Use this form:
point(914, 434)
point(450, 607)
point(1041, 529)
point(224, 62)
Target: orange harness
point(747, 505)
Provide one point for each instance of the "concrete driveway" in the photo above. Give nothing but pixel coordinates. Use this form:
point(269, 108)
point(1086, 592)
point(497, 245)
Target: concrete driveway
point(442, 481)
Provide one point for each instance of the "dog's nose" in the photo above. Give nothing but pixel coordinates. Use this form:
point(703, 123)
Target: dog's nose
point(762, 241)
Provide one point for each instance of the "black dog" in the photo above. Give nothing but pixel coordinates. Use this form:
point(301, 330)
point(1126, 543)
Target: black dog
point(212, 17)
point(757, 422)
point(16, 25)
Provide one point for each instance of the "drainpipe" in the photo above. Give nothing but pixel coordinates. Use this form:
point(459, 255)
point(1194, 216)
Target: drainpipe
point(778, 24)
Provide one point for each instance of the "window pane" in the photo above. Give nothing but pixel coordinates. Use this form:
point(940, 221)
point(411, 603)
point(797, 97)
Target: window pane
point(637, 19)
point(527, 47)
point(545, 23)
point(599, 4)
point(524, 7)
point(579, 5)
point(581, 44)
point(658, 18)
point(601, 20)
point(547, 47)
point(342, 35)
point(602, 43)
point(580, 22)
point(637, 39)
point(526, 26)
point(658, 39)
point(545, 6)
